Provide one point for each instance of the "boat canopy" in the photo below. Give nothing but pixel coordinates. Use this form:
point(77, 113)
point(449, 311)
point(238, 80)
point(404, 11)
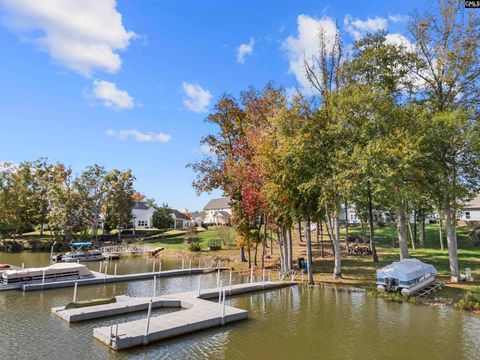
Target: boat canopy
point(77, 244)
point(406, 270)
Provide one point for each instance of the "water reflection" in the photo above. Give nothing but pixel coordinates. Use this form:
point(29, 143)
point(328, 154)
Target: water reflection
point(291, 323)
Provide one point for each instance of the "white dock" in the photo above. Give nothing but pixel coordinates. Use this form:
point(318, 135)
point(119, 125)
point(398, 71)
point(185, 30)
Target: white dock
point(196, 314)
point(100, 278)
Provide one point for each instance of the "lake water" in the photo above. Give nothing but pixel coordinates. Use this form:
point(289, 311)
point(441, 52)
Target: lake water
point(290, 323)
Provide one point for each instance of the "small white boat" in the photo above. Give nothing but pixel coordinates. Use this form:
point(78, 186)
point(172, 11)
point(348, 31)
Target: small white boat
point(13, 279)
point(79, 253)
point(407, 276)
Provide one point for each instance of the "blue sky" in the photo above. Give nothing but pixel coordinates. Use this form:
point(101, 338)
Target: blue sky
point(128, 84)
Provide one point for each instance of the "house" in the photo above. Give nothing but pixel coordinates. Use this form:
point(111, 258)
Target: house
point(470, 210)
point(143, 214)
point(217, 212)
point(180, 220)
point(197, 217)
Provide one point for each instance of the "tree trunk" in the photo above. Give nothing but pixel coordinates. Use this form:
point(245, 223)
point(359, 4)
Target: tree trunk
point(264, 242)
point(415, 217)
point(346, 225)
point(370, 219)
point(440, 226)
point(402, 231)
point(282, 261)
point(300, 230)
point(271, 243)
point(255, 255)
point(411, 233)
point(249, 255)
point(321, 239)
point(285, 249)
point(290, 248)
point(309, 253)
point(451, 241)
point(422, 230)
point(242, 254)
point(337, 269)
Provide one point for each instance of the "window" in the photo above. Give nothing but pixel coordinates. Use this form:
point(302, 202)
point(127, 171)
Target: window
point(142, 223)
point(467, 215)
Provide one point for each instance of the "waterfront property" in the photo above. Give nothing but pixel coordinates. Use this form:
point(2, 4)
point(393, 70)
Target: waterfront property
point(143, 214)
point(217, 212)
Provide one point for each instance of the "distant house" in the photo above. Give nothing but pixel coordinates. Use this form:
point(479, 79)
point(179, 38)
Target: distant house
point(142, 217)
point(217, 212)
point(180, 220)
point(197, 217)
point(470, 210)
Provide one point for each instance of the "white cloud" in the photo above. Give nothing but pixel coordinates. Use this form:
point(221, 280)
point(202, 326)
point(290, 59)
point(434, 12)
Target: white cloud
point(305, 45)
point(197, 98)
point(139, 136)
point(81, 35)
point(244, 50)
point(399, 40)
point(111, 96)
point(398, 18)
point(357, 28)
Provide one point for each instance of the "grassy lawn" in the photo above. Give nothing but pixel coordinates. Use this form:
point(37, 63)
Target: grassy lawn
point(177, 242)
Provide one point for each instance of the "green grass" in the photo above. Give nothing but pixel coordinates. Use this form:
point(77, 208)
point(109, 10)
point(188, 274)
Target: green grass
point(178, 243)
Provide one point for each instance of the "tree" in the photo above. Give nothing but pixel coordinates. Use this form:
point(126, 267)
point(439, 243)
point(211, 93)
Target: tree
point(445, 60)
point(92, 188)
point(161, 218)
point(119, 200)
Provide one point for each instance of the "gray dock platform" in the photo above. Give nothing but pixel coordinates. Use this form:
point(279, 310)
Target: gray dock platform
point(196, 314)
point(100, 278)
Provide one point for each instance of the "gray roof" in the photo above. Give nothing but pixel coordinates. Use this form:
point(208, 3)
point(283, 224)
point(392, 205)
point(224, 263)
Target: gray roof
point(223, 213)
point(179, 215)
point(220, 203)
point(140, 205)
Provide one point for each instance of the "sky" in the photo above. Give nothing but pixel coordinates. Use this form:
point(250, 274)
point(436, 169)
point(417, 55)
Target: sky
point(128, 84)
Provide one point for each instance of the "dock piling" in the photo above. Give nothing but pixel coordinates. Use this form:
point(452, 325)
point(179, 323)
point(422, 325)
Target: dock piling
point(190, 264)
point(43, 278)
point(147, 327)
point(183, 263)
point(269, 275)
point(154, 286)
point(251, 274)
point(263, 277)
point(100, 267)
point(75, 292)
point(199, 285)
point(230, 281)
point(105, 274)
point(218, 278)
point(223, 308)
point(23, 265)
point(153, 270)
point(115, 271)
point(160, 266)
point(220, 293)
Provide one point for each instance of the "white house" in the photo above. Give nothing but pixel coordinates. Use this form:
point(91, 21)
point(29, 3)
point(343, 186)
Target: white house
point(142, 217)
point(470, 210)
point(217, 212)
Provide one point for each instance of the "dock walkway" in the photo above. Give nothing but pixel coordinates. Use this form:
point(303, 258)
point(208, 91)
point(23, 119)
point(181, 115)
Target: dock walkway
point(196, 313)
point(100, 278)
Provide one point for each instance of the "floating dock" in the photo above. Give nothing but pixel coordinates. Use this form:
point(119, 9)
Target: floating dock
point(100, 278)
point(196, 313)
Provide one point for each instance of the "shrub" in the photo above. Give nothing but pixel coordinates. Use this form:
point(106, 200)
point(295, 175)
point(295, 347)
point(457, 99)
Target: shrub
point(470, 301)
point(195, 246)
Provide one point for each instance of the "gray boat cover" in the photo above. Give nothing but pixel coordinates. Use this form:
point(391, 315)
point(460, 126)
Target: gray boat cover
point(406, 270)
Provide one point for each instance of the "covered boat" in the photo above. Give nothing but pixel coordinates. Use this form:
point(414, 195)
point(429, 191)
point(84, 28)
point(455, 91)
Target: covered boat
point(55, 272)
point(407, 276)
point(80, 252)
